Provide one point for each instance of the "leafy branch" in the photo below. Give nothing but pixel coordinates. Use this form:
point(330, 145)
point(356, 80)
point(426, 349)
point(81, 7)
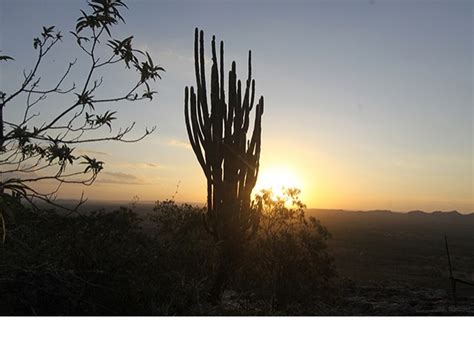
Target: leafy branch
point(36, 148)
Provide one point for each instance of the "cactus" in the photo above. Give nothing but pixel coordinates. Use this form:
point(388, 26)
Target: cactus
point(218, 136)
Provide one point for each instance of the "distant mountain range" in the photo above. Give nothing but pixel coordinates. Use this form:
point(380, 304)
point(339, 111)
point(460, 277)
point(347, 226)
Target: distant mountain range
point(346, 222)
point(413, 222)
point(390, 214)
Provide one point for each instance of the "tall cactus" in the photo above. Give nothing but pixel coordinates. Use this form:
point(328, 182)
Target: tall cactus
point(218, 137)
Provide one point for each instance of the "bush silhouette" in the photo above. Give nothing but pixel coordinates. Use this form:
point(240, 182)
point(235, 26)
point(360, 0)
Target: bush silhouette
point(99, 264)
point(287, 262)
point(187, 259)
point(164, 263)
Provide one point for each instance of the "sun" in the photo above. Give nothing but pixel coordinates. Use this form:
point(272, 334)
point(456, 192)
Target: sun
point(277, 178)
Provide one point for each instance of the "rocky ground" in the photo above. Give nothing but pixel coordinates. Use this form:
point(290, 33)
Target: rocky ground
point(370, 299)
point(402, 300)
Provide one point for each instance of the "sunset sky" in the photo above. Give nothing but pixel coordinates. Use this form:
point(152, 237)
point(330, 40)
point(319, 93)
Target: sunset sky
point(368, 104)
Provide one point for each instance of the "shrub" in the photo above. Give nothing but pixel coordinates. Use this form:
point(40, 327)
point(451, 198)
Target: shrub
point(103, 263)
point(99, 264)
point(287, 263)
point(187, 258)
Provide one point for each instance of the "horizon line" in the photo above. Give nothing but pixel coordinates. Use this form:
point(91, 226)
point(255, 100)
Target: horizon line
point(148, 202)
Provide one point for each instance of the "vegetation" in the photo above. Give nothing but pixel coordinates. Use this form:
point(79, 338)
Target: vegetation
point(229, 160)
point(266, 253)
point(35, 148)
point(105, 263)
point(288, 261)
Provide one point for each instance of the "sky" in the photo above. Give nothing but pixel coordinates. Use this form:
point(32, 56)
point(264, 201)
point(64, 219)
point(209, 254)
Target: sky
point(368, 104)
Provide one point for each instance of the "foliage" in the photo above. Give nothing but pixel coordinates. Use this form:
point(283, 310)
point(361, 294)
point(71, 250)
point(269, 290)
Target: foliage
point(288, 261)
point(95, 264)
point(188, 258)
point(103, 263)
point(163, 263)
point(171, 219)
point(34, 148)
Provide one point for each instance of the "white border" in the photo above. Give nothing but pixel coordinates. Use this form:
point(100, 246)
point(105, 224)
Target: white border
point(234, 335)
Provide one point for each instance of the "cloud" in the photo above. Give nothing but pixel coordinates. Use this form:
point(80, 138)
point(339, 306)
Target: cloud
point(174, 55)
point(18, 175)
point(118, 182)
point(178, 65)
point(113, 177)
point(153, 165)
point(179, 143)
point(139, 166)
point(92, 152)
point(121, 178)
point(120, 175)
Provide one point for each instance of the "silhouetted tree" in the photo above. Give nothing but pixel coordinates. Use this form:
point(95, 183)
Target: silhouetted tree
point(230, 161)
point(34, 148)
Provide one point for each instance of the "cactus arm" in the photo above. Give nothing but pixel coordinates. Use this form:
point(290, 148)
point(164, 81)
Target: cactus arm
point(229, 160)
point(193, 131)
point(203, 100)
point(222, 71)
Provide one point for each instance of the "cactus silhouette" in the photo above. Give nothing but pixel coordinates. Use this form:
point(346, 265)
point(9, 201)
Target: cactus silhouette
point(230, 160)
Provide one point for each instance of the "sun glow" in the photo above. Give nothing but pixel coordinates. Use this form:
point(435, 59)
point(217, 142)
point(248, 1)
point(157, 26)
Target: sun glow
point(277, 179)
